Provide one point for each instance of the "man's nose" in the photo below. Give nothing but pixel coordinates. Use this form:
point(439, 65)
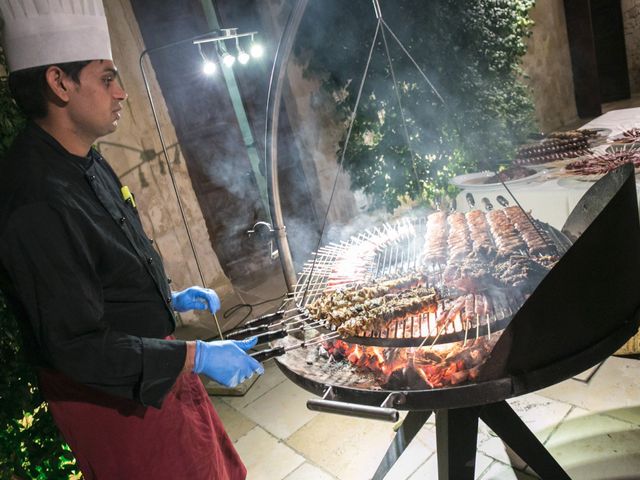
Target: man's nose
point(120, 94)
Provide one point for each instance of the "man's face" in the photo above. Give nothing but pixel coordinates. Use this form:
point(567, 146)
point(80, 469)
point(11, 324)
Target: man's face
point(95, 102)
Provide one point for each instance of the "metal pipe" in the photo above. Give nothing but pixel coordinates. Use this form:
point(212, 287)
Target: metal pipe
point(353, 409)
point(228, 36)
point(276, 86)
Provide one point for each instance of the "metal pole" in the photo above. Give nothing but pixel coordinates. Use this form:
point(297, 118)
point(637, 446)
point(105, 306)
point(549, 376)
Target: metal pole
point(271, 143)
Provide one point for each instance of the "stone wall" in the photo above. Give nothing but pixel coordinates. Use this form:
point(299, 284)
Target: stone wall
point(631, 21)
point(547, 65)
point(135, 152)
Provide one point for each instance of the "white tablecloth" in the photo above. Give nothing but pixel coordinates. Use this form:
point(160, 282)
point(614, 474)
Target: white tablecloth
point(552, 200)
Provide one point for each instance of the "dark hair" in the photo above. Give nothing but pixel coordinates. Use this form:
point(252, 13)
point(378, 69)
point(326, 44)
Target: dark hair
point(28, 87)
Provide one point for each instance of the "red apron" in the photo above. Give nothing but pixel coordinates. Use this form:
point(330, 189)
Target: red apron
point(114, 438)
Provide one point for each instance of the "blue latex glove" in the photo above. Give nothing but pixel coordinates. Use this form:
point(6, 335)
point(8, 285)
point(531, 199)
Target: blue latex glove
point(195, 298)
point(226, 361)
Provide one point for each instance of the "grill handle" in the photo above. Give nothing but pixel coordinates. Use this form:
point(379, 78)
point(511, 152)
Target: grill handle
point(502, 201)
point(253, 327)
point(488, 206)
point(353, 409)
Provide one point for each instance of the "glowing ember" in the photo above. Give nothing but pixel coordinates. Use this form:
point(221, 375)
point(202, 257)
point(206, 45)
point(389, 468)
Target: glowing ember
point(409, 368)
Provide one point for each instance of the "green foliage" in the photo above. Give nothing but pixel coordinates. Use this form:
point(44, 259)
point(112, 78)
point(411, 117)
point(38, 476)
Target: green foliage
point(471, 53)
point(30, 445)
point(11, 119)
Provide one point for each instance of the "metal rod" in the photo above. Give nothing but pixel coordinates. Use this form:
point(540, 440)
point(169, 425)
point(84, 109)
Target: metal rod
point(351, 123)
point(353, 409)
point(323, 338)
point(466, 330)
point(415, 64)
point(224, 37)
point(377, 9)
point(276, 86)
point(402, 115)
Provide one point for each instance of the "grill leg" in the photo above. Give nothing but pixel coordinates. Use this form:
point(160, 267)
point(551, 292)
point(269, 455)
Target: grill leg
point(501, 418)
point(411, 425)
point(456, 438)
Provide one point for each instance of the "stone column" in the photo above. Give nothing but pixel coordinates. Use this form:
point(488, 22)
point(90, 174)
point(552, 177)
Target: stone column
point(547, 65)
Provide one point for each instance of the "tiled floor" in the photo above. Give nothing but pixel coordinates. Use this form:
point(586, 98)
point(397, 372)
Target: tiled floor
point(591, 427)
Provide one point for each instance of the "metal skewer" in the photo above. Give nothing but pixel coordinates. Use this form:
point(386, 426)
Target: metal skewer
point(263, 355)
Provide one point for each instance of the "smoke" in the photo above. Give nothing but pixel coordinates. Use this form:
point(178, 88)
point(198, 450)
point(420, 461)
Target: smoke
point(423, 138)
point(336, 34)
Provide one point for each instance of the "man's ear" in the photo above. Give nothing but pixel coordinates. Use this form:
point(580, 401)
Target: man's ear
point(58, 82)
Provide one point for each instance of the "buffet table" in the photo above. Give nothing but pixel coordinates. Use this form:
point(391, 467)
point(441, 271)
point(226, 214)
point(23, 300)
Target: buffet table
point(549, 198)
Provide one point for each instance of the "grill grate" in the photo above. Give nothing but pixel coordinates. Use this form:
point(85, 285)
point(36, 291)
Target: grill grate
point(400, 253)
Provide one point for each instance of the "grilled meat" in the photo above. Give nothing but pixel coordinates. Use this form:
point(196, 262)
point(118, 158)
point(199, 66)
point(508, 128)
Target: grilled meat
point(601, 164)
point(477, 257)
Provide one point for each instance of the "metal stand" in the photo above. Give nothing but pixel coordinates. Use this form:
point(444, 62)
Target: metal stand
point(456, 436)
point(456, 440)
point(501, 418)
point(411, 425)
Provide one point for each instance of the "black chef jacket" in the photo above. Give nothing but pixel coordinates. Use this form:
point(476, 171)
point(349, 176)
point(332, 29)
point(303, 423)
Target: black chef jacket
point(90, 287)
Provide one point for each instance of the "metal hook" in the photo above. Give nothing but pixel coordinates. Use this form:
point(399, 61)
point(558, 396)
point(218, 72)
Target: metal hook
point(263, 230)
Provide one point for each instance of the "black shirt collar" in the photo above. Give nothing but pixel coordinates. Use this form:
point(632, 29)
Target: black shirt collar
point(37, 131)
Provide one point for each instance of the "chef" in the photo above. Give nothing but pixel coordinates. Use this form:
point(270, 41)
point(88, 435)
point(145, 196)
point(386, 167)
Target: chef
point(88, 286)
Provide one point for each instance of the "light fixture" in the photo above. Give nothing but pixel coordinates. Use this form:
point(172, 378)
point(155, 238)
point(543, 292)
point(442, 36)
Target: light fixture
point(208, 67)
point(255, 48)
point(218, 41)
point(243, 57)
point(227, 59)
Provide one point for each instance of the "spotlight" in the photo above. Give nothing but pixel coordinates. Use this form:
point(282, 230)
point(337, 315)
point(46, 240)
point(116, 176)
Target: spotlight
point(256, 50)
point(208, 67)
point(227, 59)
point(243, 57)
point(220, 44)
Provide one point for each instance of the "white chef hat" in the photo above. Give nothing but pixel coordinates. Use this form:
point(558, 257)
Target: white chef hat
point(45, 32)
